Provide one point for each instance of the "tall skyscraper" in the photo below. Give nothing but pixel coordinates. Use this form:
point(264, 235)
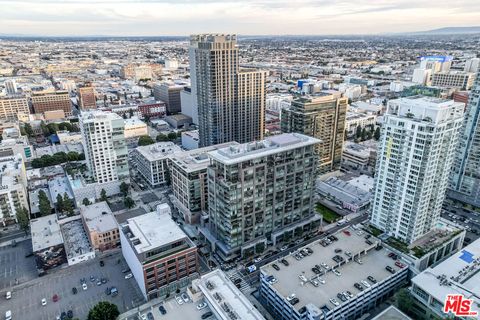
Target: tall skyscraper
point(104, 143)
point(86, 98)
point(231, 103)
point(415, 155)
point(465, 180)
point(170, 94)
point(321, 117)
point(261, 191)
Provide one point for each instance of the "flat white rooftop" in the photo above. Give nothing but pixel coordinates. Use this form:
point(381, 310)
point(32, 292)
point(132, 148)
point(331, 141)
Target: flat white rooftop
point(98, 217)
point(158, 151)
point(197, 159)
point(459, 274)
point(225, 299)
point(269, 146)
point(153, 230)
point(45, 232)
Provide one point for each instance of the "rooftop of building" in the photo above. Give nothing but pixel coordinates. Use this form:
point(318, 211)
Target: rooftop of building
point(357, 149)
point(459, 274)
point(11, 171)
point(373, 263)
point(152, 230)
point(391, 313)
point(92, 115)
point(269, 146)
point(179, 117)
point(45, 232)
point(159, 150)
point(340, 189)
point(134, 121)
point(98, 217)
point(352, 115)
point(59, 186)
point(197, 159)
point(225, 299)
point(75, 238)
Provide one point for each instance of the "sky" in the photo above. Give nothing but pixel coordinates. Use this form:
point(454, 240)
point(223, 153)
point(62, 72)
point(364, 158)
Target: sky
point(247, 17)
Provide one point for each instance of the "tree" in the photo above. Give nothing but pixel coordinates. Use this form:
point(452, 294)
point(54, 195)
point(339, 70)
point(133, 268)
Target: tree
point(68, 204)
point(172, 136)
point(44, 203)
point(376, 135)
point(23, 219)
point(364, 134)
point(124, 188)
point(103, 310)
point(140, 96)
point(28, 129)
point(358, 132)
point(404, 300)
point(103, 195)
point(60, 204)
point(124, 116)
point(44, 128)
point(86, 202)
point(130, 112)
point(129, 203)
point(145, 141)
point(161, 137)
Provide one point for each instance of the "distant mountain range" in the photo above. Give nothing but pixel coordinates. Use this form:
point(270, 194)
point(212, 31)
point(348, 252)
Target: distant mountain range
point(451, 30)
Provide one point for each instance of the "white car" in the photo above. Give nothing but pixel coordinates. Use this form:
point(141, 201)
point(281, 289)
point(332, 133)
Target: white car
point(257, 260)
point(128, 276)
point(283, 248)
point(8, 295)
point(179, 300)
point(84, 286)
point(303, 278)
point(8, 315)
point(201, 306)
point(337, 273)
point(44, 302)
point(334, 302)
point(185, 297)
point(365, 283)
point(321, 280)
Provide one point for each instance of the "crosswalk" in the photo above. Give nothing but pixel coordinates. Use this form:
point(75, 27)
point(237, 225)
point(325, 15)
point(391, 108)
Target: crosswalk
point(244, 286)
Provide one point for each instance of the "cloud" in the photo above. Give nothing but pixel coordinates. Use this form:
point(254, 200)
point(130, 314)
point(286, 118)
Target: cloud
point(182, 17)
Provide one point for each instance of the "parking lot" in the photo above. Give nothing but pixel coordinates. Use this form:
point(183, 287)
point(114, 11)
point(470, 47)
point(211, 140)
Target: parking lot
point(26, 298)
point(14, 266)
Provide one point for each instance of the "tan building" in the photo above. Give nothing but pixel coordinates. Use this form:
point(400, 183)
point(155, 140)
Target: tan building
point(54, 115)
point(231, 103)
point(101, 226)
point(59, 100)
point(86, 98)
point(11, 106)
point(322, 117)
point(453, 79)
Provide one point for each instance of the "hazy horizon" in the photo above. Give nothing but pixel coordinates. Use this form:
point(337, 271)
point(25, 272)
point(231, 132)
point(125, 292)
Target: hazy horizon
point(247, 17)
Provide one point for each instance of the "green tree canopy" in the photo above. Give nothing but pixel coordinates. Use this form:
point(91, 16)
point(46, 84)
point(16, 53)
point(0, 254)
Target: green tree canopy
point(129, 203)
point(68, 204)
point(124, 188)
point(103, 195)
point(172, 136)
point(60, 205)
point(145, 141)
point(161, 137)
point(23, 219)
point(86, 202)
point(376, 135)
point(358, 132)
point(103, 310)
point(28, 129)
point(44, 203)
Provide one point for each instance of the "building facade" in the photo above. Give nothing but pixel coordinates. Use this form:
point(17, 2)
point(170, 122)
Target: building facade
point(465, 178)
point(105, 147)
point(170, 94)
point(10, 107)
point(86, 98)
point(59, 100)
point(453, 79)
point(261, 192)
point(322, 117)
point(231, 103)
point(415, 155)
point(160, 255)
point(100, 225)
point(13, 192)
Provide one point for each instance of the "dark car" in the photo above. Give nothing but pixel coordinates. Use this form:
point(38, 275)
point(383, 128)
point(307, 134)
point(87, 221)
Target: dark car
point(372, 279)
point(107, 291)
point(358, 286)
point(63, 316)
point(162, 310)
point(390, 269)
point(237, 281)
point(285, 262)
point(104, 280)
point(274, 266)
point(70, 314)
point(102, 263)
point(150, 316)
point(206, 315)
point(294, 301)
point(74, 290)
point(126, 270)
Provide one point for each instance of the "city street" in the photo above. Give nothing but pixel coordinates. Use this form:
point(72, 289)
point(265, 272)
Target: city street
point(26, 298)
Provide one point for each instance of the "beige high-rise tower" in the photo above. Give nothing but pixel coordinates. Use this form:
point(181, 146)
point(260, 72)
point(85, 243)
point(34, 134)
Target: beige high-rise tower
point(231, 103)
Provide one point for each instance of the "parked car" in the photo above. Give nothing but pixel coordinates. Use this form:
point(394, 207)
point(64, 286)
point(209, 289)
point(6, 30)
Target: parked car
point(74, 290)
point(8, 295)
point(150, 316)
point(8, 315)
point(128, 276)
point(44, 302)
point(102, 263)
point(372, 279)
point(336, 272)
point(390, 269)
point(179, 300)
point(55, 298)
point(162, 310)
point(276, 267)
point(201, 306)
point(84, 286)
point(284, 262)
point(207, 315)
point(70, 314)
point(185, 297)
point(334, 302)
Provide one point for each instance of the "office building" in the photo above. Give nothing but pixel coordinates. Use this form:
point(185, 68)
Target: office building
point(261, 192)
point(453, 79)
point(47, 243)
point(59, 100)
point(11, 106)
point(322, 117)
point(170, 94)
point(136, 72)
point(422, 76)
point(362, 120)
point(134, 127)
point(436, 63)
point(472, 65)
point(100, 225)
point(189, 105)
point(465, 179)
point(415, 155)
point(188, 178)
point(231, 103)
point(153, 109)
point(159, 254)
point(86, 98)
point(459, 274)
point(13, 192)
point(323, 282)
point(152, 161)
point(105, 147)
point(10, 86)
